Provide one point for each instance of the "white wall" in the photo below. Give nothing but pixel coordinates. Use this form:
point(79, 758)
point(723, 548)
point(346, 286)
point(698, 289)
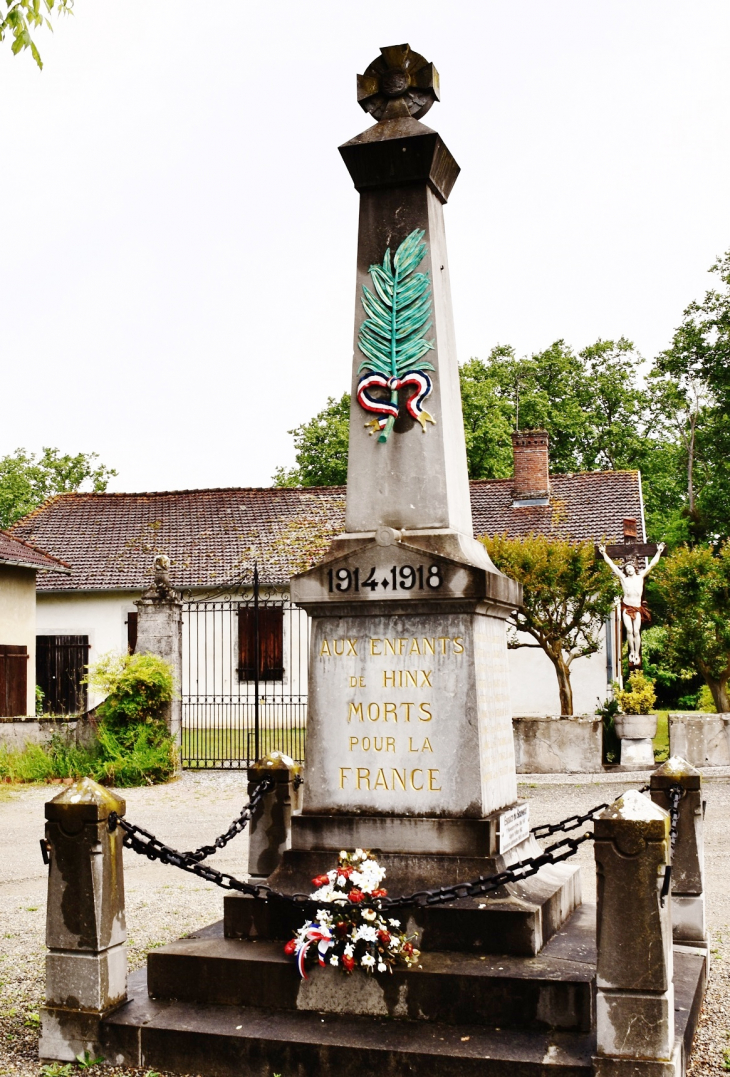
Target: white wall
point(18, 617)
point(534, 685)
point(100, 615)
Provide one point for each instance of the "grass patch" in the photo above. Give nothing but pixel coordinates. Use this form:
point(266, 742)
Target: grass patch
point(220, 747)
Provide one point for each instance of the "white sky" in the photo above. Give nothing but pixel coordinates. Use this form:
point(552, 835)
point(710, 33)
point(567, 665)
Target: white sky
point(177, 248)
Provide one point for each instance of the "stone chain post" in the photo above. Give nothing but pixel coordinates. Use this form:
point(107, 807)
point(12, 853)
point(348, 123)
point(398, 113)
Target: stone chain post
point(270, 828)
point(634, 981)
point(688, 866)
point(86, 966)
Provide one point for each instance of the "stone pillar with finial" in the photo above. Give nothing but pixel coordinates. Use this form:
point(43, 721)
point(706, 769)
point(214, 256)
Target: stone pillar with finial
point(159, 631)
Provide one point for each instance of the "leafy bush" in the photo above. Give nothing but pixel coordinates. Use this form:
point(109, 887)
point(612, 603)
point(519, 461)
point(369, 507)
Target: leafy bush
point(611, 743)
point(705, 702)
point(133, 745)
point(638, 697)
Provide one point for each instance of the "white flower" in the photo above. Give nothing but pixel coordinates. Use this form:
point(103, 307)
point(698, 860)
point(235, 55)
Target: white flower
point(341, 881)
point(382, 967)
point(369, 914)
point(367, 961)
point(359, 854)
point(349, 950)
point(325, 894)
point(332, 875)
point(369, 934)
point(334, 960)
point(324, 917)
point(343, 854)
point(394, 923)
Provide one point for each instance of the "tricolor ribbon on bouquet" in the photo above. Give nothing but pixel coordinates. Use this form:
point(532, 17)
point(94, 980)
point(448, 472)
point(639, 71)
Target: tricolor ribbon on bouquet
point(322, 936)
point(389, 409)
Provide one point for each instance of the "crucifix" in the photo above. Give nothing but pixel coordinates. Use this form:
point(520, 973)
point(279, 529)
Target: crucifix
point(634, 609)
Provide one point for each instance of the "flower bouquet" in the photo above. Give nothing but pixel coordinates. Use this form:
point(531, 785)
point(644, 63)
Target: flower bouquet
point(348, 934)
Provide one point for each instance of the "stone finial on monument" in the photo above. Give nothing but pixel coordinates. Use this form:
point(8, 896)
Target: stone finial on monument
point(159, 631)
point(634, 974)
point(86, 964)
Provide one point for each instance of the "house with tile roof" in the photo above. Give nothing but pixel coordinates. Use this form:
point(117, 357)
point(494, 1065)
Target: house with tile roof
point(213, 537)
point(20, 562)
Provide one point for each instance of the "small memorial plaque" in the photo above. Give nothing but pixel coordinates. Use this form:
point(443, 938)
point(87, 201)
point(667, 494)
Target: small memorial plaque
point(514, 827)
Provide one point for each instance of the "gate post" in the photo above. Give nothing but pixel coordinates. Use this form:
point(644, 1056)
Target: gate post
point(269, 833)
point(86, 963)
point(688, 862)
point(159, 631)
point(634, 975)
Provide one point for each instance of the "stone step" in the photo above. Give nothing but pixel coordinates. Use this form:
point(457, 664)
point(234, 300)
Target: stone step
point(453, 988)
point(227, 1041)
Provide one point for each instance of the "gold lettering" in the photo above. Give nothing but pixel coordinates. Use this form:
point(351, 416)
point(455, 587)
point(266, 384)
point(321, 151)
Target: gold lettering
point(429, 646)
point(432, 777)
point(408, 710)
point(325, 649)
point(353, 744)
point(427, 746)
point(427, 674)
point(372, 646)
point(344, 771)
point(351, 647)
point(370, 712)
point(410, 745)
point(401, 645)
point(443, 640)
point(395, 775)
point(418, 788)
point(425, 709)
point(355, 711)
point(363, 775)
point(366, 744)
point(380, 782)
point(415, 649)
point(411, 679)
point(388, 674)
point(458, 645)
point(353, 682)
point(378, 744)
point(339, 645)
point(362, 682)
point(390, 744)
point(392, 709)
point(389, 646)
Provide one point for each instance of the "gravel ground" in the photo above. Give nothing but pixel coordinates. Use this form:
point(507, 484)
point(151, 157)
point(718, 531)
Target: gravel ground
point(163, 904)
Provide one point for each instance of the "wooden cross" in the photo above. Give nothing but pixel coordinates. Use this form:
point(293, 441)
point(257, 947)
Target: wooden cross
point(631, 549)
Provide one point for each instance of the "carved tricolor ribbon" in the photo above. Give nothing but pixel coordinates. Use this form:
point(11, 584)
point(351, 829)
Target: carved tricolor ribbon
point(323, 937)
point(385, 409)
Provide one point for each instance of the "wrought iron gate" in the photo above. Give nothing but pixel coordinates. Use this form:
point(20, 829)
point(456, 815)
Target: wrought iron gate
point(244, 689)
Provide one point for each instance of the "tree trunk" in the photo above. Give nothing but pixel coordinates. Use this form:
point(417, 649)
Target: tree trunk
point(563, 674)
point(719, 693)
point(690, 464)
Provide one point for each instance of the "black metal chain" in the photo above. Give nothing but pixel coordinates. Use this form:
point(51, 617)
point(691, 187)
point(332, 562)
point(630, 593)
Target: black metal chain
point(239, 824)
point(674, 794)
point(546, 830)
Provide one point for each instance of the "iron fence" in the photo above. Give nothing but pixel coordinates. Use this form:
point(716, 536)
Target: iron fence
point(244, 679)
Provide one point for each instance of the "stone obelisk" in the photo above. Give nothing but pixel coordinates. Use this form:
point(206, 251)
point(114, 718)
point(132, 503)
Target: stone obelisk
point(409, 708)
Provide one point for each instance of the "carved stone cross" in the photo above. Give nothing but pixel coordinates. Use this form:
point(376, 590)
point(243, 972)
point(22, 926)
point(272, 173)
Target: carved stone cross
point(631, 549)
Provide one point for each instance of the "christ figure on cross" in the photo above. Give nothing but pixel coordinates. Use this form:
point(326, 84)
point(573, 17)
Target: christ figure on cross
point(633, 608)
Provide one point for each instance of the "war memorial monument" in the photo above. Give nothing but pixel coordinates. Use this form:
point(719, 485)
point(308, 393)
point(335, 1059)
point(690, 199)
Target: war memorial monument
point(410, 756)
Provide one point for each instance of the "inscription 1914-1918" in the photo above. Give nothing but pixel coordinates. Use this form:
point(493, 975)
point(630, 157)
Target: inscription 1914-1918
point(395, 578)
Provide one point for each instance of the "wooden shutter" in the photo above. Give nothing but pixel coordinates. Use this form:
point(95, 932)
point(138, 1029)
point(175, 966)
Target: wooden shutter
point(60, 667)
point(13, 681)
point(132, 632)
point(271, 643)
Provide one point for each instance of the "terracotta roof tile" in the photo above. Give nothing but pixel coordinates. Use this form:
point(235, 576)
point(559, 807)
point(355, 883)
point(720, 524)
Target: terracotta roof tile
point(213, 536)
point(13, 551)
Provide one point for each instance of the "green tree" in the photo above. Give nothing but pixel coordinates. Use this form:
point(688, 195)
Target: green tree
point(321, 448)
point(26, 480)
point(567, 593)
point(488, 419)
point(695, 585)
point(20, 17)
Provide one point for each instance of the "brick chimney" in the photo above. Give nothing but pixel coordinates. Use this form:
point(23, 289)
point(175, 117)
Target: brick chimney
point(532, 480)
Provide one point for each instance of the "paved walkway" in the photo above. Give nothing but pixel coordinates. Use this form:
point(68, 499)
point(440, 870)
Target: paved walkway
point(163, 903)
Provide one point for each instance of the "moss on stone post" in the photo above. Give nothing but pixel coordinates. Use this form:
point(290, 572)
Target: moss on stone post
point(270, 827)
point(634, 976)
point(688, 863)
point(86, 966)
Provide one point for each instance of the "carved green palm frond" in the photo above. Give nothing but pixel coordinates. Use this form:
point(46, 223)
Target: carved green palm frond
point(392, 337)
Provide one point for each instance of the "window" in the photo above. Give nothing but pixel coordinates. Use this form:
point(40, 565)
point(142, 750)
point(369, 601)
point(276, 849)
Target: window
point(61, 663)
point(131, 624)
point(13, 681)
point(270, 639)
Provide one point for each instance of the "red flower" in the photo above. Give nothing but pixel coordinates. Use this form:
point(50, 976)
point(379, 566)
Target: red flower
point(341, 928)
point(291, 946)
point(379, 893)
point(356, 896)
point(320, 880)
point(407, 948)
point(346, 872)
point(384, 937)
point(348, 963)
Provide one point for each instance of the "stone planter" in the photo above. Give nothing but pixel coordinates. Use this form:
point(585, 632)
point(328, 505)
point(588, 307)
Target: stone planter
point(558, 744)
point(636, 732)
